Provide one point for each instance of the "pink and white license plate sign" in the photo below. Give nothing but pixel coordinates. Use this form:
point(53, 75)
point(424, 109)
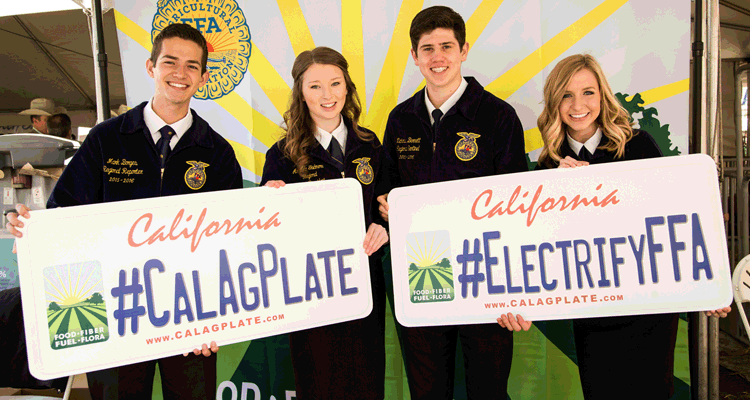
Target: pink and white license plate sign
point(636, 237)
point(117, 283)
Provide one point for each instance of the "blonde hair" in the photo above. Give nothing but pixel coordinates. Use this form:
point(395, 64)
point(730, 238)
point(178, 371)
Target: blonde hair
point(299, 132)
point(613, 120)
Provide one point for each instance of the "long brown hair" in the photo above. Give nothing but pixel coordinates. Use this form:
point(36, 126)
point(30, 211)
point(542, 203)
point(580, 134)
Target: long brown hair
point(300, 128)
point(613, 120)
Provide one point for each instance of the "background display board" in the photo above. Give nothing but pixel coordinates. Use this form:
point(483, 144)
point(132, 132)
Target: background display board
point(643, 46)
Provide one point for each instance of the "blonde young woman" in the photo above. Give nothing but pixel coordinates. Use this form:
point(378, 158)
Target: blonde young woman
point(628, 357)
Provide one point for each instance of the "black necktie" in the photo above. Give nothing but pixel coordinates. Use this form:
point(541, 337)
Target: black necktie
point(334, 148)
point(436, 115)
point(162, 146)
point(584, 154)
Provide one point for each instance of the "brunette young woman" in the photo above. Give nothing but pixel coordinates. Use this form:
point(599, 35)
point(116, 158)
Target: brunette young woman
point(323, 140)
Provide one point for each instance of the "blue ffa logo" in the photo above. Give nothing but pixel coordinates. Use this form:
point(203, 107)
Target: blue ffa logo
point(467, 148)
point(365, 174)
point(195, 176)
point(223, 25)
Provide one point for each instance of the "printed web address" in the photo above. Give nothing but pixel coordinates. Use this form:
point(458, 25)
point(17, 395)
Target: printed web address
point(550, 301)
point(207, 329)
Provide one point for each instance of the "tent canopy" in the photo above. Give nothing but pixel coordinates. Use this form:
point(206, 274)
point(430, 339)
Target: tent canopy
point(50, 55)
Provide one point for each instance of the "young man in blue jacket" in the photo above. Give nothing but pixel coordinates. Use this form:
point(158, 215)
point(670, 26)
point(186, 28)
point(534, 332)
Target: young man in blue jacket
point(421, 141)
point(147, 152)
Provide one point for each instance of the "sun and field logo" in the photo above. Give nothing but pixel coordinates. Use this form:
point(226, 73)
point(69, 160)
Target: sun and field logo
point(76, 311)
point(430, 270)
point(223, 24)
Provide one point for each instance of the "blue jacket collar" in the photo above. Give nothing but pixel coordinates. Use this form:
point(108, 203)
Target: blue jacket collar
point(132, 122)
point(467, 105)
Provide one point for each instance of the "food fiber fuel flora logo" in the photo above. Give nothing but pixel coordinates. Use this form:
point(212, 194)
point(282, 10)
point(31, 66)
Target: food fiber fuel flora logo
point(430, 269)
point(76, 311)
point(223, 24)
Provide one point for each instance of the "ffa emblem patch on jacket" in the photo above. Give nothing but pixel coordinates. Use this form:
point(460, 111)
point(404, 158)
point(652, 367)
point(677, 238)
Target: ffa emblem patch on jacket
point(467, 148)
point(365, 174)
point(195, 176)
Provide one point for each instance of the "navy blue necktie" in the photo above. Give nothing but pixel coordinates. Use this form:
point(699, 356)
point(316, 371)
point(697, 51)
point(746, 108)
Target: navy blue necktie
point(584, 154)
point(334, 148)
point(436, 115)
point(162, 146)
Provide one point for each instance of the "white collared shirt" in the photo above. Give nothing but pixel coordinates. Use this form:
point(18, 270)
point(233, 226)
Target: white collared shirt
point(590, 144)
point(154, 123)
point(448, 103)
point(324, 138)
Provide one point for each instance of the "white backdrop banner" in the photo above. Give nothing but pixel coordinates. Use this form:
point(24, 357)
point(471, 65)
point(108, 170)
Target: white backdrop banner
point(643, 47)
point(626, 238)
point(118, 283)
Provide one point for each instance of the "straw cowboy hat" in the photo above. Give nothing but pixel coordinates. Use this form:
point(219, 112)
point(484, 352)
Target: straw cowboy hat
point(122, 109)
point(40, 106)
point(61, 110)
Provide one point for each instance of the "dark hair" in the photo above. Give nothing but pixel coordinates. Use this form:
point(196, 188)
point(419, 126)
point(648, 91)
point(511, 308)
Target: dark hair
point(435, 17)
point(182, 31)
point(300, 127)
point(59, 125)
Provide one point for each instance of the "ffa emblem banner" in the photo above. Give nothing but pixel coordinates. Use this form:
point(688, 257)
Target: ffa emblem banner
point(636, 237)
point(112, 284)
point(643, 47)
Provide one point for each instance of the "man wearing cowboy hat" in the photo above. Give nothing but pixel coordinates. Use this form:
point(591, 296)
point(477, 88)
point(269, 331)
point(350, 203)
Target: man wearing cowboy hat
point(40, 111)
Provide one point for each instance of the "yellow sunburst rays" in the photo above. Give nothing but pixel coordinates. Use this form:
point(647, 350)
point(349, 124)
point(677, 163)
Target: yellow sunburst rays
point(385, 96)
point(353, 49)
point(256, 123)
point(65, 293)
point(73, 290)
point(426, 255)
point(662, 92)
point(512, 80)
point(60, 299)
point(89, 290)
point(417, 256)
point(78, 281)
point(296, 26)
point(85, 293)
